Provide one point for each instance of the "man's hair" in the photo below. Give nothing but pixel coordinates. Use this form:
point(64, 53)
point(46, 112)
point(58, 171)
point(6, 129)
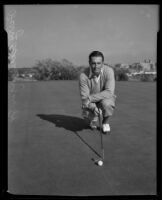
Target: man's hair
point(96, 54)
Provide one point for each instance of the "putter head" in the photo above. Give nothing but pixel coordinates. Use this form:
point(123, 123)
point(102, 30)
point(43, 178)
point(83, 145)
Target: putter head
point(99, 162)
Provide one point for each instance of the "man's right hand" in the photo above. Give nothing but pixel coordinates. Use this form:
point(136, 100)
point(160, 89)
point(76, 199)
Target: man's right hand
point(96, 110)
point(91, 106)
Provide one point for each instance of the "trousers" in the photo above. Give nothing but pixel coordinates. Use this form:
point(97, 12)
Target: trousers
point(107, 107)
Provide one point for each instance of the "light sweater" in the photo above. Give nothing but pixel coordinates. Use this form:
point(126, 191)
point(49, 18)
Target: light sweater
point(97, 91)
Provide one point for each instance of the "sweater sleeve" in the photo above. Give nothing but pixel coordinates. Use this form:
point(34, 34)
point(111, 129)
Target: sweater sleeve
point(109, 87)
point(83, 87)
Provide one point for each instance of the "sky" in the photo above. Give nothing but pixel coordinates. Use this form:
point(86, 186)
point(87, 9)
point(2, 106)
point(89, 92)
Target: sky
point(123, 33)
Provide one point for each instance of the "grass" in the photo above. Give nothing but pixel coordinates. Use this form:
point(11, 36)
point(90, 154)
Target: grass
point(50, 149)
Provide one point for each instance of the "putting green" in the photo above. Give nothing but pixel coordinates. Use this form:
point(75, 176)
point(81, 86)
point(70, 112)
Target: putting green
point(51, 150)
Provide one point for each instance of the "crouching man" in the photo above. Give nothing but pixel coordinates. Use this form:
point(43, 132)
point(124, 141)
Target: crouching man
point(97, 85)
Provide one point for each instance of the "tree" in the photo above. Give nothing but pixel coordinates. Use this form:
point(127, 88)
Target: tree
point(121, 74)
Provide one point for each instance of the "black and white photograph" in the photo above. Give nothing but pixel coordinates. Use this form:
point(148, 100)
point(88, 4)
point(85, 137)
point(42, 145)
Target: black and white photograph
point(82, 86)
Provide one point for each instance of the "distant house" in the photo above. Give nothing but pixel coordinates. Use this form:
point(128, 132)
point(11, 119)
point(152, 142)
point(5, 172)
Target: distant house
point(30, 75)
point(148, 65)
point(22, 75)
point(26, 75)
point(153, 73)
point(124, 66)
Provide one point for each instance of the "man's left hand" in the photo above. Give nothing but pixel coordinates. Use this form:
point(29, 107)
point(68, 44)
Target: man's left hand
point(86, 103)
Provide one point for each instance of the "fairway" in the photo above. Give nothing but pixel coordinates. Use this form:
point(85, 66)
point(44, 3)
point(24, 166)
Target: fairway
point(51, 149)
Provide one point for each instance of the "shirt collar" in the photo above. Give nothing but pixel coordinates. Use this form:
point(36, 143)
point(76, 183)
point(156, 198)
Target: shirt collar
point(90, 72)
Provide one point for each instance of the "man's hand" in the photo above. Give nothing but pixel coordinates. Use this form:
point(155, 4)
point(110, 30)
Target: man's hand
point(96, 110)
point(91, 106)
point(86, 103)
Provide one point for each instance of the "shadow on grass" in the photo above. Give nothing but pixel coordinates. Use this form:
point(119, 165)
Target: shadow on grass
point(70, 123)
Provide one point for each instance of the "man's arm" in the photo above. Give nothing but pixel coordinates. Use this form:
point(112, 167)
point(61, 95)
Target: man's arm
point(84, 93)
point(83, 86)
point(109, 88)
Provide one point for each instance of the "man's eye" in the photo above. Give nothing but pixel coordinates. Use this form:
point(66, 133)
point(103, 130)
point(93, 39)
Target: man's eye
point(96, 63)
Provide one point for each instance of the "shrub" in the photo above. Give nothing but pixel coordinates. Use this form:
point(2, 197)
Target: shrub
point(121, 74)
point(11, 74)
point(53, 70)
point(147, 77)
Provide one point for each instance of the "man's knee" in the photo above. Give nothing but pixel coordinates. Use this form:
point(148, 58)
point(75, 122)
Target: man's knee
point(105, 103)
point(107, 106)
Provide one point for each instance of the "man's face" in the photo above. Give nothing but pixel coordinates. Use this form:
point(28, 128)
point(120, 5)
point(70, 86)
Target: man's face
point(96, 64)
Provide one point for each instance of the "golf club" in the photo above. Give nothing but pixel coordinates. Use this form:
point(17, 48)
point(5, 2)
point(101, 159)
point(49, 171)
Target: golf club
point(100, 122)
point(100, 161)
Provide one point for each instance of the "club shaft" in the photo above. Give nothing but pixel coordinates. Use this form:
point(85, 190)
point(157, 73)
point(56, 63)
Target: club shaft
point(100, 121)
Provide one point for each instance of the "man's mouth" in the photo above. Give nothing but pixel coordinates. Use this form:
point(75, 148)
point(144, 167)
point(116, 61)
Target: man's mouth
point(97, 71)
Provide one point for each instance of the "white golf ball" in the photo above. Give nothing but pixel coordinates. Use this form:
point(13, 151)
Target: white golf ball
point(100, 162)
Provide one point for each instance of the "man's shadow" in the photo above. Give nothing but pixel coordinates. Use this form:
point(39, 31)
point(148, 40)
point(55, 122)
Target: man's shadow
point(71, 123)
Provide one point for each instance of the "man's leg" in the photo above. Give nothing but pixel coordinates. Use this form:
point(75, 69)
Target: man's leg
point(107, 106)
point(90, 116)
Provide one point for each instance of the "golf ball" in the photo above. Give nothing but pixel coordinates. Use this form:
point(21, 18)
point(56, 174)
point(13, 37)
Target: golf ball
point(100, 162)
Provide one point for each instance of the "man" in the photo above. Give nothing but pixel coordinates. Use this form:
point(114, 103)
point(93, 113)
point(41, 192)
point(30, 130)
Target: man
point(97, 85)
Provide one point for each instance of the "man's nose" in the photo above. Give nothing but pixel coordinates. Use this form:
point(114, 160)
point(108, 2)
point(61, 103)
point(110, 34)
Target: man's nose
point(97, 66)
